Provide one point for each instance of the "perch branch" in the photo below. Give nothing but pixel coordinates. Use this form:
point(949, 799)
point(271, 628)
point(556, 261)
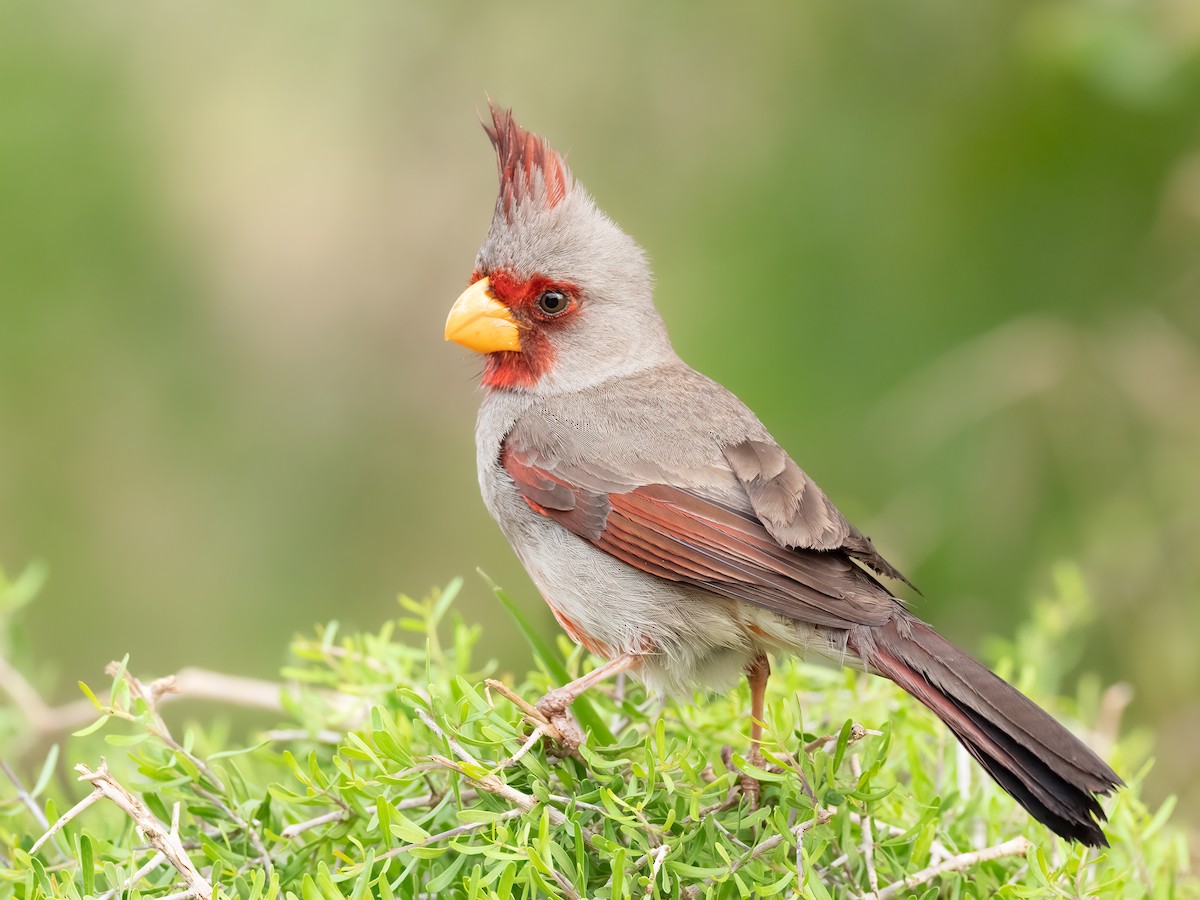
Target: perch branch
point(1018, 846)
point(165, 842)
point(65, 818)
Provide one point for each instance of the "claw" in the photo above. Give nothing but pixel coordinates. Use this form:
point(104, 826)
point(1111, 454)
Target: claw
point(555, 707)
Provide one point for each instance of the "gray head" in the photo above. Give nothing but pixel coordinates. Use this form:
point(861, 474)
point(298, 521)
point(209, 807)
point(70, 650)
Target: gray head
point(561, 297)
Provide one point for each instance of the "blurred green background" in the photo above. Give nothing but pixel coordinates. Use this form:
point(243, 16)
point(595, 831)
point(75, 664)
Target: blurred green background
point(950, 253)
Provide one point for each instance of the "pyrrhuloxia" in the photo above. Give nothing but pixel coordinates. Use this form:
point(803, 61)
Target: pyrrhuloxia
point(666, 529)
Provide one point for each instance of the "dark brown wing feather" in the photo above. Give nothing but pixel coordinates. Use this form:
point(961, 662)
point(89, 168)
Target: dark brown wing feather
point(794, 510)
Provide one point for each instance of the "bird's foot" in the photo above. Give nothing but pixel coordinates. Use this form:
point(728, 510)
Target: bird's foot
point(751, 789)
point(549, 716)
point(555, 707)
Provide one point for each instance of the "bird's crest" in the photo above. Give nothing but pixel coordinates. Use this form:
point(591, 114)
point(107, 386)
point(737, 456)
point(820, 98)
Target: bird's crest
point(530, 169)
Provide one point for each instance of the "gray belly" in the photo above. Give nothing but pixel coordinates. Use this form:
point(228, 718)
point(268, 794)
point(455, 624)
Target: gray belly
point(690, 637)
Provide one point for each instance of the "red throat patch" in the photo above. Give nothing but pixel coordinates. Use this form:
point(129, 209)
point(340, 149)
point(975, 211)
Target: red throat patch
point(515, 369)
point(521, 154)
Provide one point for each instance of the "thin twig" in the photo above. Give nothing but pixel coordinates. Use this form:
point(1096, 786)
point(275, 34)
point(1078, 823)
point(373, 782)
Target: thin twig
point(937, 850)
point(493, 785)
point(571, 801)
point(775, 840)
point(322, 736)
point(24, 796)
point(565, 885)
point(857, 733)
point(190, 682)
point(528, 710)
point(40, 716)
point(154, 862)
point(1018, 846)
point(534, 737)
point(454, 745)
point(156, 726)
point(658, 855)
point(1113, 702)
point(765, 846)
point(446, 835)
point(247, 827)
point(338, 815)
point(433, 798)
point(65, 818)
point(166, 842)
point(170, 685)
point(489, 783)
point(868, 841)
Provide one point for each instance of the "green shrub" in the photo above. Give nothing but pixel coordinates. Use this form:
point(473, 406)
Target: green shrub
point(393, 770)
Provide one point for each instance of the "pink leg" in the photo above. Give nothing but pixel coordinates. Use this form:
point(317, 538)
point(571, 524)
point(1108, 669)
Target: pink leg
point(757, 674)
point(556, 703)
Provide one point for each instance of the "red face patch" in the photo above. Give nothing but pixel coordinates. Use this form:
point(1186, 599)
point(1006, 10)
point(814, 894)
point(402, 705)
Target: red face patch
point(527, 300)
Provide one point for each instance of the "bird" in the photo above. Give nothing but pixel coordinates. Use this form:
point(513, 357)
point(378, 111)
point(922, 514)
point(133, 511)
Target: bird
point(666, 529)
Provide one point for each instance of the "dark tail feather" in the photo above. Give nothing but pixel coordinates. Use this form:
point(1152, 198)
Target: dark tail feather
point(1047, 769)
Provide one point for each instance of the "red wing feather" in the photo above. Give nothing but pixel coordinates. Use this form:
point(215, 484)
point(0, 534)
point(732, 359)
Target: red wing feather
point(675, 534)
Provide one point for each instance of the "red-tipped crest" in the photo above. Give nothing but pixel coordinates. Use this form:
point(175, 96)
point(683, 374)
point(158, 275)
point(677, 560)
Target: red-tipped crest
point(520, 155)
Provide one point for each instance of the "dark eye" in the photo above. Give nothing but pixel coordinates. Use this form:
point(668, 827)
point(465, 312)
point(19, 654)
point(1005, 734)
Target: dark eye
point(552, 303)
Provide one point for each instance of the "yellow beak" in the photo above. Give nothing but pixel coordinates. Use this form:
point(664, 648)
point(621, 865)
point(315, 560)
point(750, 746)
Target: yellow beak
point(481, 323)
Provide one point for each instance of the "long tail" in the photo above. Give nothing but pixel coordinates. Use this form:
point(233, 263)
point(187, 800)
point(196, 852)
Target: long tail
point(1047, 769)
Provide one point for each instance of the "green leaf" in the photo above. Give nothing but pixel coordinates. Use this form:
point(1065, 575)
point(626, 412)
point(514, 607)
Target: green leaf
point(87, 864)
point(226, 754)
point(87, 692)
point(406, 829)
point(47, 770)
point(95, 726)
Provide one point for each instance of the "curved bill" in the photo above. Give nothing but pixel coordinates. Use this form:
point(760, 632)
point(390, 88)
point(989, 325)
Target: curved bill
point(481, 323)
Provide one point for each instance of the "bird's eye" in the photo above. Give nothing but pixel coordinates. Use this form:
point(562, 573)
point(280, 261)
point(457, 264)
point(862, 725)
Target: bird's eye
point(553, 303)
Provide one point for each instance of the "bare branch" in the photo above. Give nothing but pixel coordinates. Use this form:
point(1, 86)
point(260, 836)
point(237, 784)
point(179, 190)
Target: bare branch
point(156, 726)
point(204, 684)
point(338, 815)
point(775, 840)
point(493, 785)
point(868, 839)
point(1018, 846)
point(563, 884)
point(528, 710)
point(446, 835)
point(191, 682)
point(65, 818)
point(658, 856)
point(165, 842)
point(24, 796)
point(41, 717)
point(857, 733)
point(533, 738)
point(154, 862)
point(284, 735)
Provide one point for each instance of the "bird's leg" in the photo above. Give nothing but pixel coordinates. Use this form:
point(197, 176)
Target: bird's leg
point(757, 674)
point(556, 703)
